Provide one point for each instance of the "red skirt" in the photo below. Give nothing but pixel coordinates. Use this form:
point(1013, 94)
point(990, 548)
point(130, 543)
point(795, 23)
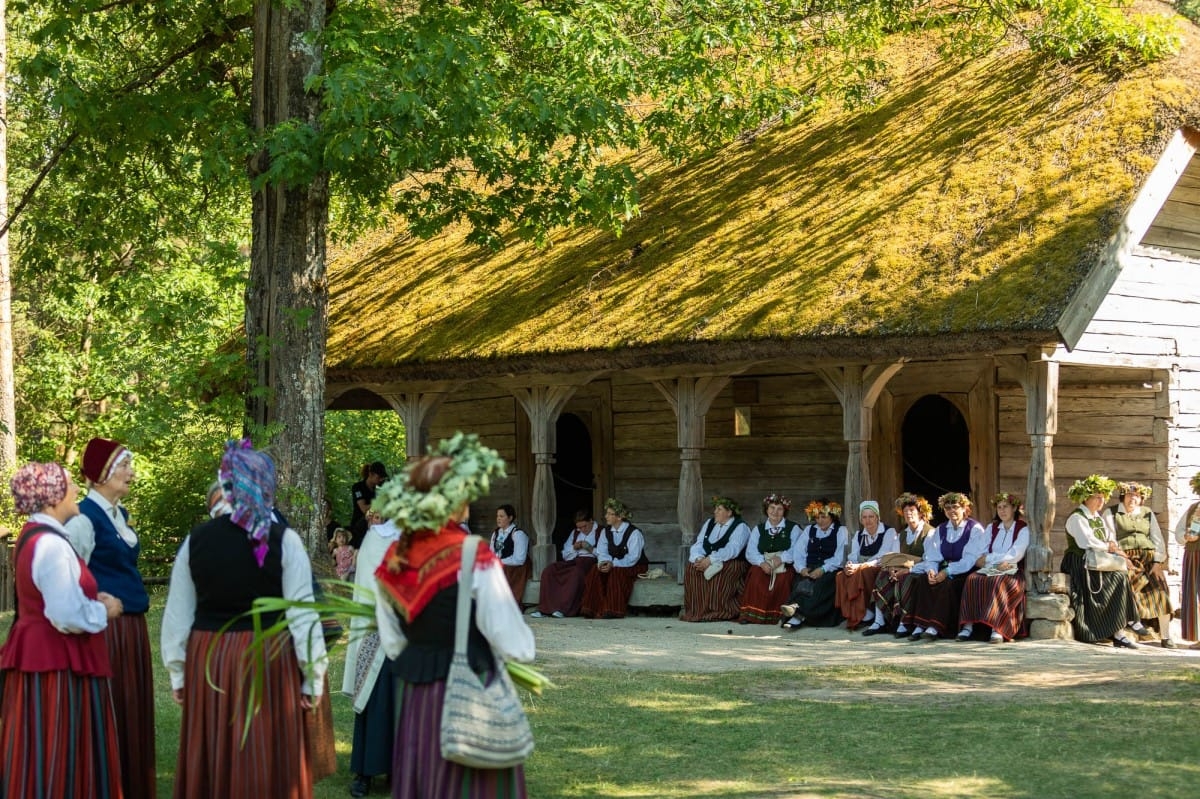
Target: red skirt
point(715, 599)
point(854, 593)
point(58, 737)
point(133, 700)
point(606, 594)
point(1189, 594)
point(517, 577)
point(562, 585)
point(998, 602)
point(760, 602)
point(213, 761)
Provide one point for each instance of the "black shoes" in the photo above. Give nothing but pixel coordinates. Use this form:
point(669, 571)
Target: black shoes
point(1124, 643)
point(361, 786)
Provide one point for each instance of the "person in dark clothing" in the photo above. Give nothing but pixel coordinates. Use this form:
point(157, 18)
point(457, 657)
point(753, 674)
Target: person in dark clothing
point(362, 494)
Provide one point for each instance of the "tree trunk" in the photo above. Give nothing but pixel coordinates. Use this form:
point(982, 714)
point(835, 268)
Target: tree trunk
point(287, 294)
point(8, 413)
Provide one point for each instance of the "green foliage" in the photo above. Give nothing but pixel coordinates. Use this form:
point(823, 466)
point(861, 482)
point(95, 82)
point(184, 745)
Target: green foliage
point(1189, 9)
point(352, 440)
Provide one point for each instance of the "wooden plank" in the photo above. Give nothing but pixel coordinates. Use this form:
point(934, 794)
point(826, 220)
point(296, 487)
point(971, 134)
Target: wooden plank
point(1172, 239)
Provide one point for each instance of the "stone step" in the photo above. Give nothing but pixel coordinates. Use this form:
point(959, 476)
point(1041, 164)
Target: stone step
point(659, 592)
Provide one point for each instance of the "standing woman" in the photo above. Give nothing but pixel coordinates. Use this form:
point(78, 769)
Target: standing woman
point(716, 570)
point(1102, 600)
point(995, 595)
point(607, 588)
point(894, 583)
point(856, 582)
point(769, 553)
point(511, 545)
point(1188, 536)
point(222, 567)
point(818, 555)
point(1142, 541)
point(938, 580)
point(418, 591)
point(103, 537)
point(362, 494)
point(57, 730)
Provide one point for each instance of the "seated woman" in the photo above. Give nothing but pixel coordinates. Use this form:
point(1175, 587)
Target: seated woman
point(995, 595)
point(1142, 541)
point(938, 580)
point(1102, 600)
point(892, 586)
point(855, 583)
point(769, 555)
point(511, 545)
point(1187, 533)
point(619, 561)
point(716, 571)
point(818, 554)
point(561, 585)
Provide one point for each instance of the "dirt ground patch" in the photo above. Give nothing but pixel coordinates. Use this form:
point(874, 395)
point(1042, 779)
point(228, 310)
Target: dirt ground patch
point(946, 670)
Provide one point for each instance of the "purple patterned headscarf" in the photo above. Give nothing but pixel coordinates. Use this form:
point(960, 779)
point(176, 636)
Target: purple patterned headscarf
point(36, 485)
point(248, 479)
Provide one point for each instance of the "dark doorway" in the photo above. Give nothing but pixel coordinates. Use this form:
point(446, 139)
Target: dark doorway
point(573, 478)
point(936, 451)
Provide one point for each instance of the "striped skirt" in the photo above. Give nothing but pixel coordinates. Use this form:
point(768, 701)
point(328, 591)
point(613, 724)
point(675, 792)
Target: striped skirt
point(892, 596)
point(761, 601)
point(935, 606)
point(853, 593)
point(562, 585)
point(606, 594)
point(715, 599)
point(1103, 601)
point(998, 602)
point(418, 769)
point(133, 701)
point(58, 737)
point(1150, 593)
point(1189, 594)
point(213, 760)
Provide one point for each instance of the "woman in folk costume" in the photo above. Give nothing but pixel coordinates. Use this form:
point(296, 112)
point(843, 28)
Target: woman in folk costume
point(856, 582)
point(619, 551)
point(511, 545)
point(894, 583)
point(817, 556)
point(938, 580)
point(221, 568)
point(994, 596)
point(57, 729)
point(418, 584)
point(1142, 541)
point(716, 571)
point(769, 553)
point(1187, 533)
point(367, 678)
point(103, 537)
point(1102, 600)
point(561, 585)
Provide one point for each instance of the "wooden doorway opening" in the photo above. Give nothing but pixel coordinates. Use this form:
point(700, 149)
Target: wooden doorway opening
point(936, 450)
point(574, 481)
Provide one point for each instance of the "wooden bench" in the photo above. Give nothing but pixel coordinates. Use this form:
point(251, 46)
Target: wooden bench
point(659, 592)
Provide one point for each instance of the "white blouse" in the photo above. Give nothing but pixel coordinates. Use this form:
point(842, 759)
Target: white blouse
point(891, 543)
point(733, 548)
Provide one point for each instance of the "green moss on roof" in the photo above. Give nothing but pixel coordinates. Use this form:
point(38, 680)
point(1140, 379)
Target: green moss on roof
point(974, 197)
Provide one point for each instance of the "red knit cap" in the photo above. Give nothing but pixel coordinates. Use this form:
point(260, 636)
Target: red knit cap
point(100, 457)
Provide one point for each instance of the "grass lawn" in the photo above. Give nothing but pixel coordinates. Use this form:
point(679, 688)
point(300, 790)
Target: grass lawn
point(806, 732)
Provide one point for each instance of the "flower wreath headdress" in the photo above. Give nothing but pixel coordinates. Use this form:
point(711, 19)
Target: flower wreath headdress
point(1009, 497)
point(1141, 489)
point(924, 509)
point(1080, 490)
point(726, 502)
point(954, 498)
point(817, 507)
point(779, 499)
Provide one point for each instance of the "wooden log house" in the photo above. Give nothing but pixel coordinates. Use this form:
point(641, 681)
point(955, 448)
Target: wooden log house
point(989, 280)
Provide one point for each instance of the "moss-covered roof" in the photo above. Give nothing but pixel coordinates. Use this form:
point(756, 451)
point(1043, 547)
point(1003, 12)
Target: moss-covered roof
point(973, 199)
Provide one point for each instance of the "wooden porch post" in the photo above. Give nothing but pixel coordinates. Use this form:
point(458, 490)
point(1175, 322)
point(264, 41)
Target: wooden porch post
point(690, 398)
point(415, 408)
point(543, 404)
point(857, 389)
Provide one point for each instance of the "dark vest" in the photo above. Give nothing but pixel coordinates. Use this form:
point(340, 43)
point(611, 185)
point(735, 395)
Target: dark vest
point(820, 549)
point(711, 547)
point(1133, 532)
point(113, 562)
point(953, 552)
point(917, 547)
point(778, 542)
point(870, 550)
point(618, 551)
point(430, 648)
point(227, 577)
point(506, 549)
point(1095, 527)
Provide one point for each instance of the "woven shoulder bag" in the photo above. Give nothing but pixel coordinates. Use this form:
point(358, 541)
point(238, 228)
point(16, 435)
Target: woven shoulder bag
point(483, 725)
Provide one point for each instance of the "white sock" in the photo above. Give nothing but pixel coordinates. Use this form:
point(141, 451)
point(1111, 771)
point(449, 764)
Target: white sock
point(918, 630)
point(869, 616)
point(966, 630)
point(901, 630)
point(1137, 627)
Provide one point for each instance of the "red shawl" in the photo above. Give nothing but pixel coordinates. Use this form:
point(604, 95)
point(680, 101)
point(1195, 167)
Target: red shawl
point(430, 564)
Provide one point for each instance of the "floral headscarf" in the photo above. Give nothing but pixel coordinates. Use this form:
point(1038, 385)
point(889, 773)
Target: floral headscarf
point(248, 480)
point(36, 485)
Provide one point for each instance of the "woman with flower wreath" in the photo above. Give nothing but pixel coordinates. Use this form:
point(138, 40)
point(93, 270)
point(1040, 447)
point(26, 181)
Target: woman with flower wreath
point(619, 550)
point(994, 596)
point(893, 585)
point(873, 541)
point(1141, 539)
point(1188, 536)
point(1102, 600)
point(716, 571)
point(415, 608)
point(938, 580)
point(818, 555)
point(769, 555)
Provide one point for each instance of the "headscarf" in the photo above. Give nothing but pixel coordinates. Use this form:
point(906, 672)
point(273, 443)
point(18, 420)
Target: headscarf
point(217, 504)
point(868, 504)
point(101, 457)
point(248, 480)
point(36, 485)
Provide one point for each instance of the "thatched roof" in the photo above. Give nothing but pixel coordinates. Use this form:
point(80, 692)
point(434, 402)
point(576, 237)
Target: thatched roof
point(959, 213)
